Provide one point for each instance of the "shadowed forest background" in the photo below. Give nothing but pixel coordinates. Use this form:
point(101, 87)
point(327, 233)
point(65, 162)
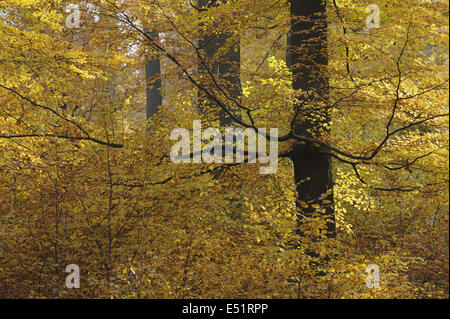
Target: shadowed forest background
point(86, 114)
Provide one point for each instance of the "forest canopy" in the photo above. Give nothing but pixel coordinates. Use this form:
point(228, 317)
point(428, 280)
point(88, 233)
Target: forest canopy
point(350, 98)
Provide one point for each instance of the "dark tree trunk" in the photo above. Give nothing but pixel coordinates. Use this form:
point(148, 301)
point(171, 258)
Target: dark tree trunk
point(309, 59)
point(226, 70)
point(153, 81)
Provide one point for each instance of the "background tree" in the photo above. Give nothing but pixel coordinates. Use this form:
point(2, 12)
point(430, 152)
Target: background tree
point(153, 80)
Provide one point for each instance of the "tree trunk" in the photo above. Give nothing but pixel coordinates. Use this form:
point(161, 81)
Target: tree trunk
point(153, 82)
point(312, 168)
point(226, 70)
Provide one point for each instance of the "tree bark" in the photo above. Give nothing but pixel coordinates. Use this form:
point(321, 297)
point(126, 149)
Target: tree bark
point(225, 70)
point(312, 168)
point(153, 82)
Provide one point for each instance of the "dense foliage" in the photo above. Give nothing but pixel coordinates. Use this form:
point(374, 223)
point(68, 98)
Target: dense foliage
point(85, 179)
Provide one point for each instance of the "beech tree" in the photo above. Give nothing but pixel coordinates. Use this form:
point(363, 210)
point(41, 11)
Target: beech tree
point(153, 80)
point(362, 111)
point(219, 61)
point(312, 162)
